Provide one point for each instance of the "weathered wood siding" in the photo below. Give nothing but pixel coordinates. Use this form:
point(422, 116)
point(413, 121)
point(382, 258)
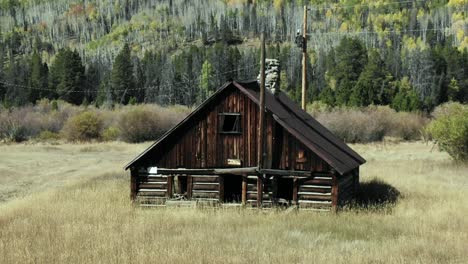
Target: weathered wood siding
point(202, 146)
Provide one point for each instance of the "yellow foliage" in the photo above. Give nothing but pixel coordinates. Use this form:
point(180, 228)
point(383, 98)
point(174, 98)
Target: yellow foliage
point(460, 34)
point(457, 3)
point(463, 45)
point(278, 4)
point(344, 27)
point(457, 16)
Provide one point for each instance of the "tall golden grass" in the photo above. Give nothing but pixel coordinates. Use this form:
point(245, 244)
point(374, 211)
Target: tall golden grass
point(93, 221)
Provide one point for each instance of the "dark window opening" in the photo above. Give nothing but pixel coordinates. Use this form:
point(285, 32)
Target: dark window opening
point(285, 189)
point(230, 123)
point(232, 189)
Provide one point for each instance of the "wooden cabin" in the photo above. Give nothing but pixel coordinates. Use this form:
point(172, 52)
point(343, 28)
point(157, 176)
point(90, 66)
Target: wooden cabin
point(211, 156)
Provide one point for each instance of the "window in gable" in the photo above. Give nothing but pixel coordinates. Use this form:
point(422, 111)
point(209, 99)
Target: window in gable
point(230, 123)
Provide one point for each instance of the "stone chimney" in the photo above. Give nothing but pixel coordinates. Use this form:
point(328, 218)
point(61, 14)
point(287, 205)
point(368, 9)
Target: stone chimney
point(272, 75)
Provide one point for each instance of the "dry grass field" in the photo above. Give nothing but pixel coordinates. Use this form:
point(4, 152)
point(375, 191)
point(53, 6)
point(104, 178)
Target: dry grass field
point(70, 204)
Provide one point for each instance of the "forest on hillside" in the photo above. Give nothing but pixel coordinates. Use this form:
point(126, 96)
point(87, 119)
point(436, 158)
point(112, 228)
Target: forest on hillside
point(409, 54)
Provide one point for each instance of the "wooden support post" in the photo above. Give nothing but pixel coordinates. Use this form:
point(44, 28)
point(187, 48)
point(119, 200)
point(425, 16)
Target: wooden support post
point(334, 191)
point(189, 187)
point(304, 59)
point(261, 127)
point(221, 188)
point(244, 190)
point(259, 191)
point(170, 180)
point(274, 190)
point(133, 183)
point(295, 191)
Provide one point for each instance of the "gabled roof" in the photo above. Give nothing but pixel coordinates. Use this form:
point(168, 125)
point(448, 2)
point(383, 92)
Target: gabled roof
point(292, 118)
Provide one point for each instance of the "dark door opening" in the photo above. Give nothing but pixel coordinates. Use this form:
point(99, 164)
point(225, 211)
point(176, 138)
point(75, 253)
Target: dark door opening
point(180, 184)
point(232, 189)
point(285, 189)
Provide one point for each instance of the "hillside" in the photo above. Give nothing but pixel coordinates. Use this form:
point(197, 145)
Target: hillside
point(180, 51)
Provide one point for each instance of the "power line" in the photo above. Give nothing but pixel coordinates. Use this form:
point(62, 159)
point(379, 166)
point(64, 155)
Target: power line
point(382, 32)
point(364, 5)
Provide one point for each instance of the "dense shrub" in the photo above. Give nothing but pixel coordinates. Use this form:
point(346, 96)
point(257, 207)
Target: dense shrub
point(110, 134)
point(371, 123)
point(450, 129)
point(83, 127)
point(11, 130)
point(148, 122)
point(140, 124)
point(47, 118)
point(47, 135)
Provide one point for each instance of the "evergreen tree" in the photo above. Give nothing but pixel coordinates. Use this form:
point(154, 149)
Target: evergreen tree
point(406, 98)
point(67, 77)
point(327, 96)
point(71, 85)
point(122, 79)
point(349, 59)
point(372, 86)
point(38, 80)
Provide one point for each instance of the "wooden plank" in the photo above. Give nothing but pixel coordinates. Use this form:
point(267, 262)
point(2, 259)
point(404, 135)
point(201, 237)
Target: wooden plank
point(259, 191)
point(209, 187)
point(205, 179)
point(327, 189)
point(315, 197)
point(221, 188)
point(244, 190)
point(316, 181)
point(159, 185)
point(334, 192)
point(170, 181)
point(295, 191)
point(189, 187)
point(133, 184)
point(161, 193)
point(152, 180)
point(234, 171)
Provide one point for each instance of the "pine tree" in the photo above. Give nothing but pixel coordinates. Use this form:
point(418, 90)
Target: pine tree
point(71, 85)
point(327, 96)
point(122, 79)
point(350, 58)
point(406, 98)
point(67, 77)
point(38, 79)
point(372, 86)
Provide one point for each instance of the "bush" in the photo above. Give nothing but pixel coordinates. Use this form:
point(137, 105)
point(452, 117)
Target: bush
point(110, 134)
point(47, 135)
point(139, 124)
point(83, 127)
point(371, 123)
point(450, 129)
point(10, 130)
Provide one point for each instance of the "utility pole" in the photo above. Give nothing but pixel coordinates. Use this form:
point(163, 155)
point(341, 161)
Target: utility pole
point(261, 130)
point(304, 59)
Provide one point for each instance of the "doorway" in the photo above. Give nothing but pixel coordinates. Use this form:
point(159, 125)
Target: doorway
point(285, 189)
point(232, 189)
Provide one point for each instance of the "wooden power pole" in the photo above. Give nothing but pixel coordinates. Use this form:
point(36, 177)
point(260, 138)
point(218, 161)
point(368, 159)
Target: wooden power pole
point(261, 130)
point(304, 58)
